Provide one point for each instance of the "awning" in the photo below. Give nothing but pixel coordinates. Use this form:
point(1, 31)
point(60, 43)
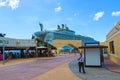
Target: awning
point(14, 48)
point(95, 46)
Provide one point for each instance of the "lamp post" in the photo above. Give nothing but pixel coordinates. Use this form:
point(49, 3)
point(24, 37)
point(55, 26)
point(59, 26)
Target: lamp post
point(3, 54)
point(36, 48)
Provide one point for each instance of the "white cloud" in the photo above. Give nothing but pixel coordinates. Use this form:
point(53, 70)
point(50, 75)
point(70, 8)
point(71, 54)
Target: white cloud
point(98, 15)
point(12, 3)
point(117, 13)
point(58, 9)
point(3, 3)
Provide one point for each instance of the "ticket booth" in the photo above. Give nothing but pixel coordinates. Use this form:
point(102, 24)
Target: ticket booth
point(93, 53)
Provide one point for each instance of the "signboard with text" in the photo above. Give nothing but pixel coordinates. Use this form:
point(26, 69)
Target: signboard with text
point(16, 42)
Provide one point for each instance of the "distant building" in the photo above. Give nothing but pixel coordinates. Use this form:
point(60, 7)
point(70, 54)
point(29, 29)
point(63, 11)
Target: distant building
point(62, 33)
point(113, 43)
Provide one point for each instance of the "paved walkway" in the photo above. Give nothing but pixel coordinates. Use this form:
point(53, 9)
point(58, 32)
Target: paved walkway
point(32, 69)
point(61, 72)
point(110, 71)
point(56, 68)
point(111, 65)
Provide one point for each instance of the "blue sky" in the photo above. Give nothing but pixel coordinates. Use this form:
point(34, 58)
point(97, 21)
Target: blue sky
point(94, 18)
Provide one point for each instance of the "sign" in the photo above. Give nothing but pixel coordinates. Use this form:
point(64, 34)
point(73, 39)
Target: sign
point(4, 42)
point(17, 42)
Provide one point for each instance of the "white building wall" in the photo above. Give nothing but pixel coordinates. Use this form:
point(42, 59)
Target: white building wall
point(92, 57)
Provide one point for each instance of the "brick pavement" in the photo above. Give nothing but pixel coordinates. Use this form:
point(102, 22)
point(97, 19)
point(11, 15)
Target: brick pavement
point(61, 72)
point(93, 73)
point(40, 69)
point(111, 65)
point(29, 70)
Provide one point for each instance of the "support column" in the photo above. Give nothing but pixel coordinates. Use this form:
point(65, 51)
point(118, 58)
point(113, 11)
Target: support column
point(3, 54)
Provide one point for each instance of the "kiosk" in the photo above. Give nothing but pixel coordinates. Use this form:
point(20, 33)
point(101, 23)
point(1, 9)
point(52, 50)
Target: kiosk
point(93, 53)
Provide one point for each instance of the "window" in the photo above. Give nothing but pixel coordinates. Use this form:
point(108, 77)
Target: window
point(111, 44)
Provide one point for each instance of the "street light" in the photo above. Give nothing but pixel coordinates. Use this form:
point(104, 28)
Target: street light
point(3, 54)
point(36, 47)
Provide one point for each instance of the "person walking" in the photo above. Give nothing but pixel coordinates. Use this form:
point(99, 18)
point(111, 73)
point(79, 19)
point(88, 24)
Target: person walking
point(81, 63)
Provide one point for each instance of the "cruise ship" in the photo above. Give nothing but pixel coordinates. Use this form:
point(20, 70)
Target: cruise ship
point(61, 33)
